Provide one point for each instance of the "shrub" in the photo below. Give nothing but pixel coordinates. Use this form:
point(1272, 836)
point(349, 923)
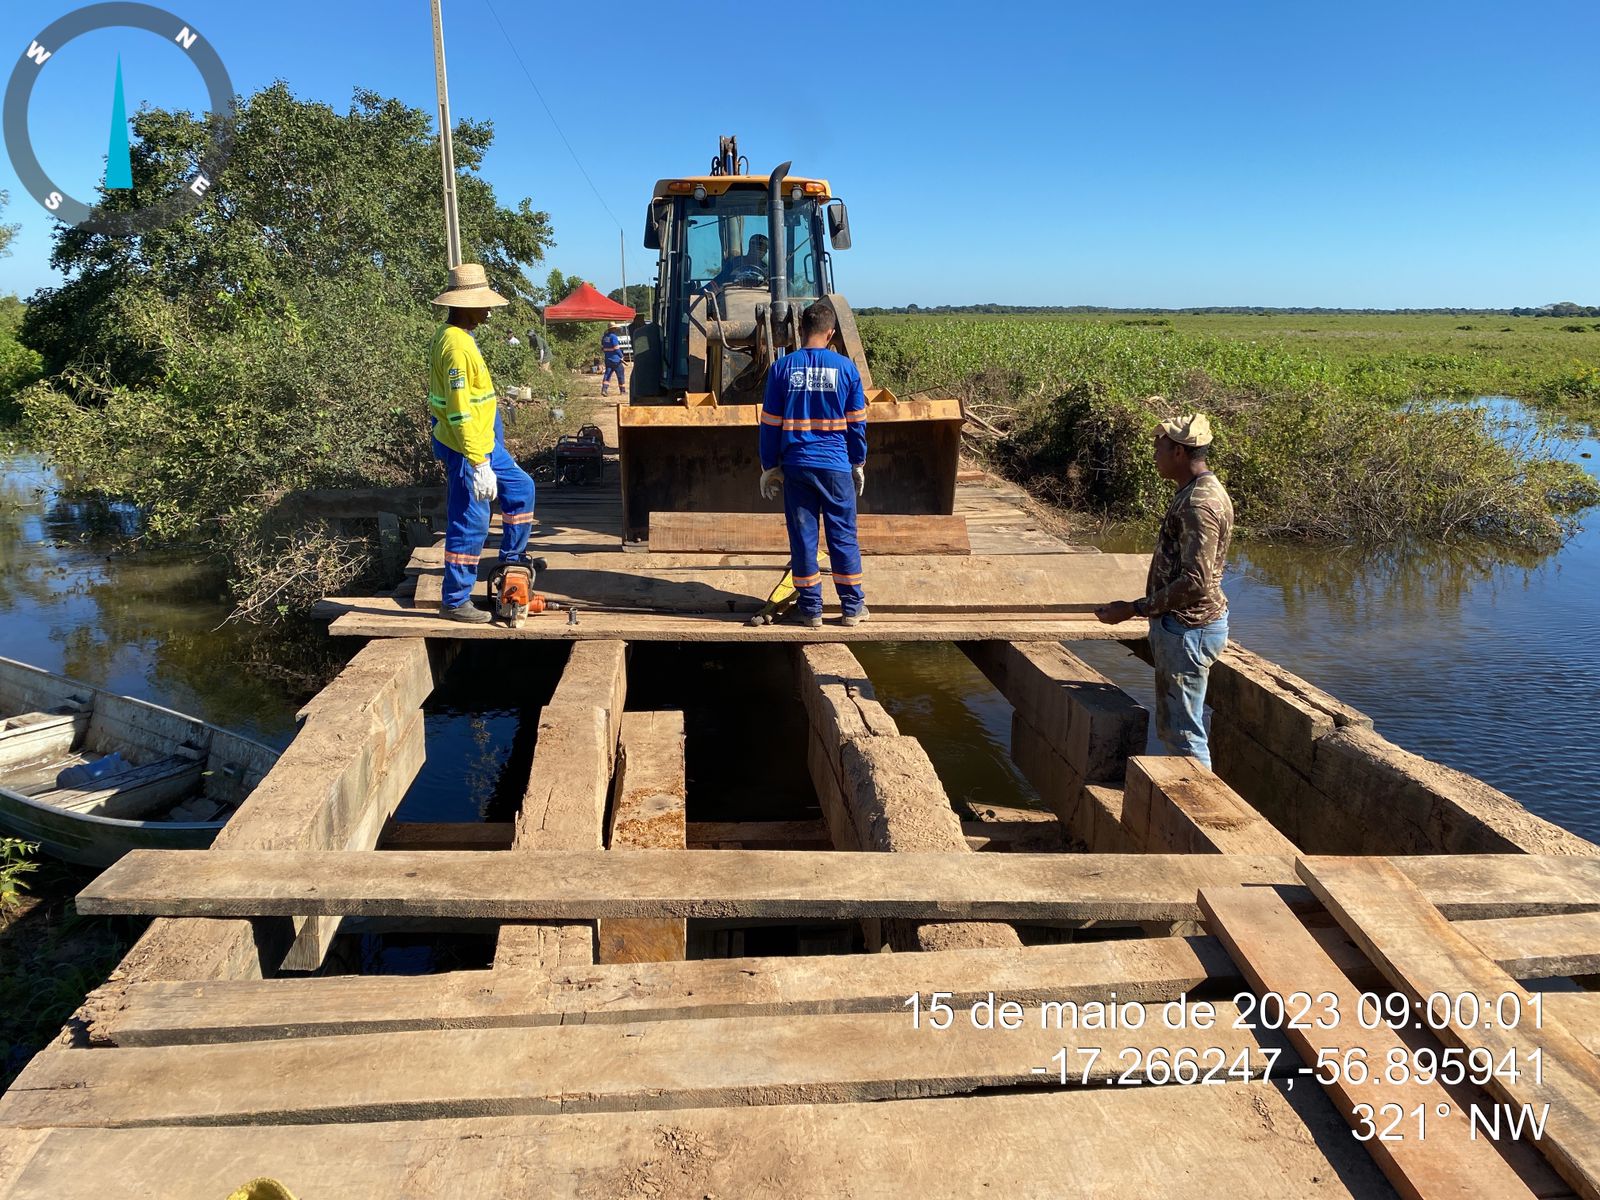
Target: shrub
point(15, 862)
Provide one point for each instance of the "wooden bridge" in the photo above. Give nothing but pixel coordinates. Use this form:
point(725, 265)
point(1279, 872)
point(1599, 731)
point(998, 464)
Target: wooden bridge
point(1216, 979)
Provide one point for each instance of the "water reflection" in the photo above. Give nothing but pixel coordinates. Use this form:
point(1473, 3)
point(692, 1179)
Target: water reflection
point(74, 599)
point(1478, 658)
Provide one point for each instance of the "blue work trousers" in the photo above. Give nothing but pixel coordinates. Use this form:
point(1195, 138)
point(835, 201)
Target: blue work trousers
point(1183, 658)
point(614, 368)
point(811, 494)
point(469, 519)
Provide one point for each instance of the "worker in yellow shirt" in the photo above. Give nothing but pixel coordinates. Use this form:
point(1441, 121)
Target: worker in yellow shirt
point(469, 439)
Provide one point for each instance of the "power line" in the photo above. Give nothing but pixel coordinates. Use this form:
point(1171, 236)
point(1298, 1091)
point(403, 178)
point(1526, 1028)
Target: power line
point(579, 162)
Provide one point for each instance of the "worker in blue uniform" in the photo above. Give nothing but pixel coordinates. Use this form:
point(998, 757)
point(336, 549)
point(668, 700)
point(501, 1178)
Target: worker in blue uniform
point(814, 449)
point(470, 440)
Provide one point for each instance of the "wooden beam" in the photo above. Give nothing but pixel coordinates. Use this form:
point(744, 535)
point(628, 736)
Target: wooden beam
point(358, 748)
point(766, 533)
point(1085, 718)
point(1540, 947)
point(1042, 583)
point(759, 835)
point(878, 790)
point(713, 1062)
point(384, 617)
point(1421, 954)
point(569, 780)
point(1109, 1142)
point(447, 835)
point(578, 885)
point(1278, 956)
point(648, 815)
point(1136, 969)
point(1174, 805)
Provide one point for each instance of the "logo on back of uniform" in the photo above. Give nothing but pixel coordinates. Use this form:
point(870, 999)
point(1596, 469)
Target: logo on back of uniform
point(815, 379)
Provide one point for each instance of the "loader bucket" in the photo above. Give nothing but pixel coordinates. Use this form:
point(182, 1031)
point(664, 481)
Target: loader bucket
point(699, 456)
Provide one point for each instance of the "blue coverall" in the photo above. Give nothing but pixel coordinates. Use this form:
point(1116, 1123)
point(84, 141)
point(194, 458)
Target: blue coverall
point(814, 425)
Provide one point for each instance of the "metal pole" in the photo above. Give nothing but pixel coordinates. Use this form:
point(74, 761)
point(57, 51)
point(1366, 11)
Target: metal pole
point(447, 153)
point(622, 249)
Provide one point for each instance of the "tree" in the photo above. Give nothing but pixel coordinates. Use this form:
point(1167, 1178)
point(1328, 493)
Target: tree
point(641, 297)
point(558, 286)
point(309, 194)
point(7, 232)
point(276, 336)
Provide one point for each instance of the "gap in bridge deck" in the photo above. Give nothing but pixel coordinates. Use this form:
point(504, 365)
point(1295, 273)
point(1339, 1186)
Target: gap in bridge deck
point(745, 747)
point(744, 725)
point(481, 724)
point(937, 696)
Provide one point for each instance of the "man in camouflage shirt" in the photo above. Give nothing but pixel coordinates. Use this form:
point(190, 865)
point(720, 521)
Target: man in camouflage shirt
point(1183, 594)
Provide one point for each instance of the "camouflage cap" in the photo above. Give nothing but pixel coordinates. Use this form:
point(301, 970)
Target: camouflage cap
point(1193, 430)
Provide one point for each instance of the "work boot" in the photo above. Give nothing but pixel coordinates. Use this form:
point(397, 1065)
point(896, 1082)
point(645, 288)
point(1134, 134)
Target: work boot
point(467, 614)
point(850, 620)
point(799, 618)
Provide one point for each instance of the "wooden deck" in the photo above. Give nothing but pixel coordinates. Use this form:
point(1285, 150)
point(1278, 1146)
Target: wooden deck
point(1149, 938)
point(990, 571)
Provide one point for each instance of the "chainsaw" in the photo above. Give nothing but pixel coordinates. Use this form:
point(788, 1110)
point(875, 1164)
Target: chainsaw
point(511, 590)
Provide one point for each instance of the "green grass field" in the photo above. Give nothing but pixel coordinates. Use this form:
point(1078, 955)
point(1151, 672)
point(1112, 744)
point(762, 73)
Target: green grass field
point(1553, 363)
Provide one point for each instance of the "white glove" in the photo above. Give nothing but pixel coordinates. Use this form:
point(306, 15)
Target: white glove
point(484, 485)
point(859, 474)
point(772, 483)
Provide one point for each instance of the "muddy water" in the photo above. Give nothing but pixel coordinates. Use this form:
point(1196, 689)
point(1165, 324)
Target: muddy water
point(1477, 661)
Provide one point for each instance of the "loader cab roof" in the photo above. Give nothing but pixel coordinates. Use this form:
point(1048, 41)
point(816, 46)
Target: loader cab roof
point(717, 185)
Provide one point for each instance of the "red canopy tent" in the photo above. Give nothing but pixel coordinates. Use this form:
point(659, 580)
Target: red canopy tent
point(586, 304)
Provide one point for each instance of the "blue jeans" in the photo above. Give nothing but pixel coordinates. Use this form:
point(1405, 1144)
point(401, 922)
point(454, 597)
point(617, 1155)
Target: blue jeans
point(468, 519)
point(614, 368)
point(811, 494)
point(1183, 659)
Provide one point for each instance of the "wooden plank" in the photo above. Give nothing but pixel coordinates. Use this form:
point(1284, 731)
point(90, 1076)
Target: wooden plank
point(357, 750)
point(648, 814)
point(1173, 804)
point(1278, 955)
point(1540, 947)
point(1111, 1142)
point(582, 885)
point(758, 835)
point(1140, 970)
point(447, 835)
point(1136, 969)
point(766, 533)
point(712, 1062)
point(44, 740)
point(385, 617)
point(563, 807)
point(1421, 953)
point(133, 794)
point(880, 790)
point(708, 583)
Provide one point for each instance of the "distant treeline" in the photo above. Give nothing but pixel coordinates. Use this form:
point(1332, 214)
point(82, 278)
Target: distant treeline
point(1564, 309)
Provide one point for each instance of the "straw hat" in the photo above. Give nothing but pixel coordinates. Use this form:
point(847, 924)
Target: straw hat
point(469, 288)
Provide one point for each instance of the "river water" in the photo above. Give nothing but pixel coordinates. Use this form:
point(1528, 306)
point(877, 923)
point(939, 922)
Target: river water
point(1486, 664)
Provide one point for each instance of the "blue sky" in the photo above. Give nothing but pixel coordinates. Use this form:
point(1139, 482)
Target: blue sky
point(1360, 154)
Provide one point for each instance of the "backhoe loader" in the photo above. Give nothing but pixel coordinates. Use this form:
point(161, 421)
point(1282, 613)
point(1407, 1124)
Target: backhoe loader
point(740, 256)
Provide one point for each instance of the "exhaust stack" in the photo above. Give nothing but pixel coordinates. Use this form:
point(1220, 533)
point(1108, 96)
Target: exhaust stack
point(776, 271)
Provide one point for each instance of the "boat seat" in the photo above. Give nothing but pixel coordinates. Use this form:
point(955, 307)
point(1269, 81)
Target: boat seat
point(132, 794)
point(38, 736)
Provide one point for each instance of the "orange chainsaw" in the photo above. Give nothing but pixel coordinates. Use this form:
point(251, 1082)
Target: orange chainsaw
point(511, 590)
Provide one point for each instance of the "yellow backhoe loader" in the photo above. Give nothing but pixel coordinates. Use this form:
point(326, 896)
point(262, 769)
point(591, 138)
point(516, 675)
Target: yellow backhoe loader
point(740, 257)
